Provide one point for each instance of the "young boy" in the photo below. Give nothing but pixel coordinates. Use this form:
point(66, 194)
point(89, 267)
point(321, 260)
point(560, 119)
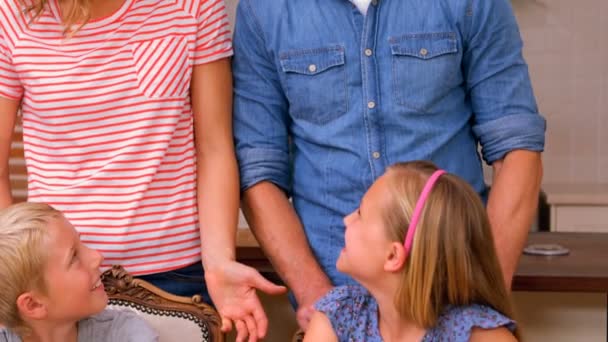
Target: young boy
point(50, 287)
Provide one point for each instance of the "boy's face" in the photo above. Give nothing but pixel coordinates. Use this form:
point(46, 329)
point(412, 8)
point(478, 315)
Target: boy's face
point(72, 277)
point(366, 244)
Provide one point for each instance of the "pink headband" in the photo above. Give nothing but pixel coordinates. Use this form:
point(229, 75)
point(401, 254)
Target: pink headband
point(418, 210)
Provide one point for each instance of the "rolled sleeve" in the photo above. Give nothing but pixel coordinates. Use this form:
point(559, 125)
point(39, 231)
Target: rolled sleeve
point(260, 107)
point(514, 132)
point(505, 113)
point(259, 164)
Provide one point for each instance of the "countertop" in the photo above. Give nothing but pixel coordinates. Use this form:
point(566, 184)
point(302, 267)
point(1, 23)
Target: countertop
point(584, 269)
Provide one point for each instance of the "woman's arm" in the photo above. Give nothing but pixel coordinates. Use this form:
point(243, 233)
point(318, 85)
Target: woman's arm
point(8, 115)
point(232, 286)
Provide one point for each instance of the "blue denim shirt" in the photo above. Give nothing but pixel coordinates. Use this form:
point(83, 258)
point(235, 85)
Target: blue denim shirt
point(326, 98)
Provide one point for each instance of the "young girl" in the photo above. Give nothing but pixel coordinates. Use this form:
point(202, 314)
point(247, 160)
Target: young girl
point(50, 288)
point(420, 245)
point(127, 129)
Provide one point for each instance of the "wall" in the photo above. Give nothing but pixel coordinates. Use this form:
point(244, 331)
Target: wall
point(567, 53)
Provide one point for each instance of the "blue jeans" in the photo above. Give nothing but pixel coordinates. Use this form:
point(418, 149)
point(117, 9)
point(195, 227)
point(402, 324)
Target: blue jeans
point(186, 281)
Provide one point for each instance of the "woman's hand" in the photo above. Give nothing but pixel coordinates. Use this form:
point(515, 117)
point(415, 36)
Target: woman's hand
point(232, 287)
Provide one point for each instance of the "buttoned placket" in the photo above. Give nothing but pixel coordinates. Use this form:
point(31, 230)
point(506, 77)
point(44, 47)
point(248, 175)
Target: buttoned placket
point(371, 93)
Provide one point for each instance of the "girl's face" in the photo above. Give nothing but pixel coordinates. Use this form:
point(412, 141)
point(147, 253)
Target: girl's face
point(72, 277)
point(366, 243)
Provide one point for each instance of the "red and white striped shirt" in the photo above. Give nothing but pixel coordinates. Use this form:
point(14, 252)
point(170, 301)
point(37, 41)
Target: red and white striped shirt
point(107, 122)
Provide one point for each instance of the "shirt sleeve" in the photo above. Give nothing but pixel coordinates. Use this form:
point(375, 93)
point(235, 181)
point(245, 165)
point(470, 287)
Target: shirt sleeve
point(4, 335)
point(213, 40)
point(129, 327)
point(505, 112)
point(10, 84)
point(260, 106)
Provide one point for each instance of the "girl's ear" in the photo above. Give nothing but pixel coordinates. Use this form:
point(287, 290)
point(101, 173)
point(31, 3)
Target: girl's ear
point(31, 307)
point(396, 257)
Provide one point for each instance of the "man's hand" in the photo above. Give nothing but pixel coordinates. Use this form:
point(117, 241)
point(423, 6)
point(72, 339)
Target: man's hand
point(232, 287)
point(305, 305)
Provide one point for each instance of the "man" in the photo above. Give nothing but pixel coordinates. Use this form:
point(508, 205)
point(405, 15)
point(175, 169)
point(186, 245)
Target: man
point(328, 93)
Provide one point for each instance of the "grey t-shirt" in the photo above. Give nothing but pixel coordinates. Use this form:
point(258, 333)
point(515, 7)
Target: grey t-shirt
point(107, 326)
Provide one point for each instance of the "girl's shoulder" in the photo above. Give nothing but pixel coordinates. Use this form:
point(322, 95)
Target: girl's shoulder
point(352, 312)
point(344, 295)
point(459, 322)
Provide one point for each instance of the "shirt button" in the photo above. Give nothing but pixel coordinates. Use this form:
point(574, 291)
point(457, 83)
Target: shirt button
point(371, 105)
point(376, 155)
point(424, 51)
point(312, 68)
point(368, 52)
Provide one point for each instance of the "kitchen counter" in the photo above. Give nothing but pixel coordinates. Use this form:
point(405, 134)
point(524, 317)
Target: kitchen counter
point(557, 298)
point(584, 269)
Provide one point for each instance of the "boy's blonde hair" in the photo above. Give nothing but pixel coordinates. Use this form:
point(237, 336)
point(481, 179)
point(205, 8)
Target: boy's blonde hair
point(23, 231)
point(78, 13)
point(452, 260)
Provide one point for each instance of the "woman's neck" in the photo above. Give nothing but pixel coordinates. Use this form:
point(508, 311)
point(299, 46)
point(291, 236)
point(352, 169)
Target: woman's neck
point(393, 327)
point(99, 8)
point(104, 8)
point(50, 332)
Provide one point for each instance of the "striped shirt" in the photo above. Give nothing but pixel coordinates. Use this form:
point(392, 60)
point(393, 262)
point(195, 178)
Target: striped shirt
point(107, 122)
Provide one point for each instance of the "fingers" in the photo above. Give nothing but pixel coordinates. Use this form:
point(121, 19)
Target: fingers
point(241, 330)
point(251, 328)
point(261, 320)
point(226, 324)
point(266, 286)
point(304, 315)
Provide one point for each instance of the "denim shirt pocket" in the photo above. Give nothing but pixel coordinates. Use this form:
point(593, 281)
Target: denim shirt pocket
point(424, 67)
point(315, 83)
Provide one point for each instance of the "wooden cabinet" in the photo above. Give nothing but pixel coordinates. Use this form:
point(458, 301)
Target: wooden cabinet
point(578, 207)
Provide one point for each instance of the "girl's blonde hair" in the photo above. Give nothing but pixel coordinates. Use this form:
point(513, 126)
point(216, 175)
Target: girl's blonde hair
point(452, 260)
point(76, 12)
point(23, 229)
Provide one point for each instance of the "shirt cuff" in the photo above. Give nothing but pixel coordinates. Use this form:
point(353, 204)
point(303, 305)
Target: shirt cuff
point(261, 164)
point(513, 132)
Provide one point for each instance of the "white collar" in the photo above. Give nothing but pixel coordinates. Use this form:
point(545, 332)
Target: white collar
point(362, 5)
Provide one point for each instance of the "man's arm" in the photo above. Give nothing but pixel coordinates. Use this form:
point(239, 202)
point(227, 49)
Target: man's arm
point(261, 130)
point(8, 115)
point(279, 231)
point(506, 123)
point(512, 205)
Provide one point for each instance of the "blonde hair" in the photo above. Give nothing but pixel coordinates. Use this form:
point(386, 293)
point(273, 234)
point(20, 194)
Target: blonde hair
point(23, 229)
point(78, 13)
point(452, 260)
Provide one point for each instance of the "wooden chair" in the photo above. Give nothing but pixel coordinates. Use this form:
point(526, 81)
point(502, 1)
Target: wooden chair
point(175, 318)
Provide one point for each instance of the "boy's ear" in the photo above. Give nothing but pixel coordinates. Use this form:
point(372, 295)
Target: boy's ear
point(31, 307)
point(395, 259)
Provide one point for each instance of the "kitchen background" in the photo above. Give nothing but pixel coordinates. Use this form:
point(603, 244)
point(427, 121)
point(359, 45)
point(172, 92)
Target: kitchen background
point(566, 47)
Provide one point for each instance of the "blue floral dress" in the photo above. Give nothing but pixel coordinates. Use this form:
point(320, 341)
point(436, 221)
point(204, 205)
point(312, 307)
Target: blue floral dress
point(353, 314)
